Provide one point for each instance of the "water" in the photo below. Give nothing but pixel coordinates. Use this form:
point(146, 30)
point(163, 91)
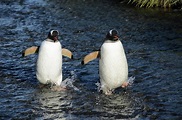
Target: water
point(152, 39)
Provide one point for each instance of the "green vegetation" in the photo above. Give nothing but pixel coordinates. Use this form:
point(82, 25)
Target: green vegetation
point(157, 3)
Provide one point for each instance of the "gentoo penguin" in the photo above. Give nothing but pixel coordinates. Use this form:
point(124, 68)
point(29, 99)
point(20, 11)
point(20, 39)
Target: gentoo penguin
point(49, 61)
point(113, 67)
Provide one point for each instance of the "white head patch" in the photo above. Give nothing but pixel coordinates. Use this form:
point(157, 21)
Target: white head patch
point(53, 31)
point(110, 32)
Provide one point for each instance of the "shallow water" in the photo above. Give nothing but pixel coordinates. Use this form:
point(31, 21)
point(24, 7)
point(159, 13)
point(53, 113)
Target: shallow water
point(153, 44)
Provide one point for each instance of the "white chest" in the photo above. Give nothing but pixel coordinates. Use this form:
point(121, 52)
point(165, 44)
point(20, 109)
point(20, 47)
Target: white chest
point(49, 62)
point(113, 66)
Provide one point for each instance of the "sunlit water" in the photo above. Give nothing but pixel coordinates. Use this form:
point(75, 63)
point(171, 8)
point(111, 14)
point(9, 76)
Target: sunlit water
point(153, 44)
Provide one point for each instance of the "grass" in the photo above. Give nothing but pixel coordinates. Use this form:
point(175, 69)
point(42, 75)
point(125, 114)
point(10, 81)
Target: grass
point(156, 3)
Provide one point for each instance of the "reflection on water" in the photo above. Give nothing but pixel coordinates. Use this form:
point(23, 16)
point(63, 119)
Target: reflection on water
point(52, 105)
point(152, 41)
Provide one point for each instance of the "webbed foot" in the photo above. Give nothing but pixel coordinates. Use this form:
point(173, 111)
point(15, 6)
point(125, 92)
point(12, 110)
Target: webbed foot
point(58, 88)
point(125, 84)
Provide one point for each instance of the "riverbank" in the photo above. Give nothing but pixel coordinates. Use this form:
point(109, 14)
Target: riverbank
point(157, 3)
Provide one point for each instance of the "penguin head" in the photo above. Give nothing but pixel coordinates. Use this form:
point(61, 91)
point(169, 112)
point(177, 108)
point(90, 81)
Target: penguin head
point(112, 35)
point(53, 35)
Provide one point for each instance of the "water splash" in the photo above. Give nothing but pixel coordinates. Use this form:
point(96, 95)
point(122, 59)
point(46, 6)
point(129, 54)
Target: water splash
point(130, 83)
point(99, 87)
point(68, 82)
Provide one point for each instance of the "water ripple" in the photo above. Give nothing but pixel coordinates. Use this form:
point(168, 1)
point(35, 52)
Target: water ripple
point(152, 42)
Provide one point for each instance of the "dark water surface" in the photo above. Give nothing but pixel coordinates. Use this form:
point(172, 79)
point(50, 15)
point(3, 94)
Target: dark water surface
point(153, 44)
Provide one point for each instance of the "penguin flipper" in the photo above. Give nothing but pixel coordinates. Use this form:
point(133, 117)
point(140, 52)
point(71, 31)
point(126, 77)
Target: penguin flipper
point(67, 53)
point(30, 50)
point(91, 56)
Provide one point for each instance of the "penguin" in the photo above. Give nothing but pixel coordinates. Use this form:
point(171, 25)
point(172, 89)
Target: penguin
point(49, 61)
point(113, 66)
